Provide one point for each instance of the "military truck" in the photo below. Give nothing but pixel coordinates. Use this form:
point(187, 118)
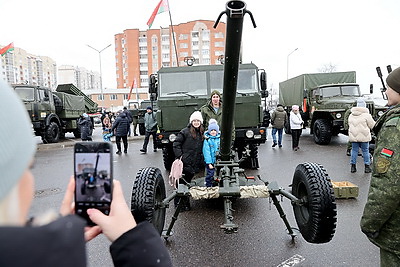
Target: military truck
point(311, 194)
point(324, 99)
point(53, 114)
point(138, 110)
point(182, 90)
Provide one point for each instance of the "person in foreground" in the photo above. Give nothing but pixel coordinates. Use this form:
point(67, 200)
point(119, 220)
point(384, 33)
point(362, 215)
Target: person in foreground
point(59, 241)
point(380, 221)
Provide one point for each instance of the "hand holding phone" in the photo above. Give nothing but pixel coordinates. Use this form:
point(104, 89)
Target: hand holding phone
point(93, 178)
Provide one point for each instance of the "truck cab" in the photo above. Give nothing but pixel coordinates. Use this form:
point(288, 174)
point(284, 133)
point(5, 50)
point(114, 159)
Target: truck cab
point(182, 90)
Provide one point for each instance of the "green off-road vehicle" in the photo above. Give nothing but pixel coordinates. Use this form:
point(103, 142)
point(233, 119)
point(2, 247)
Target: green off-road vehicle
point(324, 99)
point(53, 114)
point(182, 90)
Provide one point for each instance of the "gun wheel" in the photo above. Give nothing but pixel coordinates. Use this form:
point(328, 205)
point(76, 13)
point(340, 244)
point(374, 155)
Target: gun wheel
point(316, 215)
point(147, 194)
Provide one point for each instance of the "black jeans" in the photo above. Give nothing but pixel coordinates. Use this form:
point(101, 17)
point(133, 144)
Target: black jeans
point(124, 140)
point(295, 137)
point(146, 140)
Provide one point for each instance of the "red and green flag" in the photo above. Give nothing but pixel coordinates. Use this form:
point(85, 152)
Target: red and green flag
point(161, 7)
point(7, 49)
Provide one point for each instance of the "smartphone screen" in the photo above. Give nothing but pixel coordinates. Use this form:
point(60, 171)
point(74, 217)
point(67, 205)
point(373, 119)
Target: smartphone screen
point(93, 177)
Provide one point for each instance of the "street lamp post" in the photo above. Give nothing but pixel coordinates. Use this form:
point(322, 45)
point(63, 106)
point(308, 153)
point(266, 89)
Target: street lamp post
point(287, 63)
point(101, 75)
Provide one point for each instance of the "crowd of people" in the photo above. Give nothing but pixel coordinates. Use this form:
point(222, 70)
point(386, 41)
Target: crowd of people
point(197, 146)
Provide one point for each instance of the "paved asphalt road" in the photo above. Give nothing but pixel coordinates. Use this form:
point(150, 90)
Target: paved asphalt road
point(261, 239)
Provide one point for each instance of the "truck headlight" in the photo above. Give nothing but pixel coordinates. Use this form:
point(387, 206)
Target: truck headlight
point(172, 137)
point(249, 134)
point(338, 115)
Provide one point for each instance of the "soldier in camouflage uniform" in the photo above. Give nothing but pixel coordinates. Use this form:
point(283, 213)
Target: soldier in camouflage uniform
point(381, 217)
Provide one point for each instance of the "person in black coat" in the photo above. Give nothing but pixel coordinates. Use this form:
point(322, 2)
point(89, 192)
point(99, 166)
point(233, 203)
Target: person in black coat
point(53, 241)
point(130, 119)
point(86, 127)
point(121, 126)
point(188, 146)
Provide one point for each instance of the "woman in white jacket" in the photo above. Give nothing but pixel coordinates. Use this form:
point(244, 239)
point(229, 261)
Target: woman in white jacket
point(360, 125)
point(296, 125)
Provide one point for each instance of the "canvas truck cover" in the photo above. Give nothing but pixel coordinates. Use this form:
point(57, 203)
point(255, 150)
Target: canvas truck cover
point(291, 92)
point(73, 106)
point(71, 89)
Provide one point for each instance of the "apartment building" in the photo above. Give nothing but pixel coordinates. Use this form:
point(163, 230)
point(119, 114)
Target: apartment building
point(79, 76)
point(21, 67)
point(141, 53)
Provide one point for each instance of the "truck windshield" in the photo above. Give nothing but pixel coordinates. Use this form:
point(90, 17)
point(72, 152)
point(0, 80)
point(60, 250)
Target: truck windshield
point(193, 83)
point(25, 93)
point(247, 81)
point(348, 90)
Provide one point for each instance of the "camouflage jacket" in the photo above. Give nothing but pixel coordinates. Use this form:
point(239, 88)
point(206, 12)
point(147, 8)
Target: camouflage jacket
point(208, 112)
point(381, 217)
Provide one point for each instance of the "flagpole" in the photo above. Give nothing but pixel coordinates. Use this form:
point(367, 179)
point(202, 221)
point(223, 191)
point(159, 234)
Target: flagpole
point(173, 34)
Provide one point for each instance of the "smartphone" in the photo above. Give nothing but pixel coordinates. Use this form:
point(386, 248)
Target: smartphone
point(93, 177)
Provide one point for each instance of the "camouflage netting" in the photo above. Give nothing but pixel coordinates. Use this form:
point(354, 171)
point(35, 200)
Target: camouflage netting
point(254, 191)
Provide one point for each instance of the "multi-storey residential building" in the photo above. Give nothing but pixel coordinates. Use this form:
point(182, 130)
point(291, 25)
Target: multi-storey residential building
point(18, 66)
point(141, 53)
point(80, 77)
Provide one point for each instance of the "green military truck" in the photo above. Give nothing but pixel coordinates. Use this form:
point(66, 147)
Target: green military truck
point(181, 90)
point(323, 99)
point(53, 114)
point(139, 110)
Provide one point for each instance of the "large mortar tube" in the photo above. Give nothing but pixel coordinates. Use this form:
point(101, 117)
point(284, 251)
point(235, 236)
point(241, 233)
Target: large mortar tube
point(235, 11)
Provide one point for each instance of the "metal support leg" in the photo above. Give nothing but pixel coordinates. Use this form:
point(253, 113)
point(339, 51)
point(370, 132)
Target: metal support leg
point(167, 233)
point(283, 216)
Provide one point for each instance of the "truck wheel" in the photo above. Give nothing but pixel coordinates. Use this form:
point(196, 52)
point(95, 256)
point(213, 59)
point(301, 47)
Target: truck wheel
point(142, 129)
point(287, 128)
point(316, 215)
point(147, 194)
point(77, 133)
point(52, 133)
point(322, 132)
point(168, 158)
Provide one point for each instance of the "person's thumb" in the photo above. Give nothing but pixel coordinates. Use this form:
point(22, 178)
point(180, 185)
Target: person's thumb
point(97, 217)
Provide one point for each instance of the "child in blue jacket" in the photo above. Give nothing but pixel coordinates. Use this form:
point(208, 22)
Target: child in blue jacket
point(210, 150)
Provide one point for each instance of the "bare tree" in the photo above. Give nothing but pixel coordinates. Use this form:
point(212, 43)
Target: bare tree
point(328, 68)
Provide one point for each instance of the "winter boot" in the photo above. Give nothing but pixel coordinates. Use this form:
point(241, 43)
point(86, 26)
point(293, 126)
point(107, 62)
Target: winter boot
point(353, 168)
point(367, 169)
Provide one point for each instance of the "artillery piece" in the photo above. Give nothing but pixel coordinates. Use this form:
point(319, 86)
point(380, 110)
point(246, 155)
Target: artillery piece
point(311, 196)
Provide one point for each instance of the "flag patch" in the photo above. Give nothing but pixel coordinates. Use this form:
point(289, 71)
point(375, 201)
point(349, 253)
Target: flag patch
point(387, 152)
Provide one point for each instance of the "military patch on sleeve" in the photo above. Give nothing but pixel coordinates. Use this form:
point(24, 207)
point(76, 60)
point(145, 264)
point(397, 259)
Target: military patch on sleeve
point(382, 165)
point(387, 152)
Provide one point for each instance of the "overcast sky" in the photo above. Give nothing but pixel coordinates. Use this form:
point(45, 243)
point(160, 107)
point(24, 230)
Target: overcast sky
point(349, 34)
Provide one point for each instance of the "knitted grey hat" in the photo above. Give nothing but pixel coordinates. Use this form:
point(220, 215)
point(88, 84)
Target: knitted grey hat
point(393, 80)
point(361, 102)
point(17, 145)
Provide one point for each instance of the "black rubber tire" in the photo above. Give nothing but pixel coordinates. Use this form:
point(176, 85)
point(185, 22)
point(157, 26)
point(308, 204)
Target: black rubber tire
point(322, 132)
point(52, 133)
point(77, 133)
point(286, 128)
point(147, 193)
point(107, 187)
point(316, 219)
point(142, 129)
point(168, 157)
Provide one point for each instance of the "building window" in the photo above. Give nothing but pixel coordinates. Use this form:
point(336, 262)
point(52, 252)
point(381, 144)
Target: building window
point(143, 72)
point(218, 53)
point(195, 43)
point(165, 38)
point(219, 35)
point(219, 44)
point(113, 97)
point(142, 40)
point(183, 37)
point(100, 97)
point(126, 96)
point(183, 54)
point(183, 45)
point(205, 52)
point(195, 34)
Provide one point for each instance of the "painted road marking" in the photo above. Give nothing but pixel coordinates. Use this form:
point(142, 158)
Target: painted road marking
point(292, 261)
